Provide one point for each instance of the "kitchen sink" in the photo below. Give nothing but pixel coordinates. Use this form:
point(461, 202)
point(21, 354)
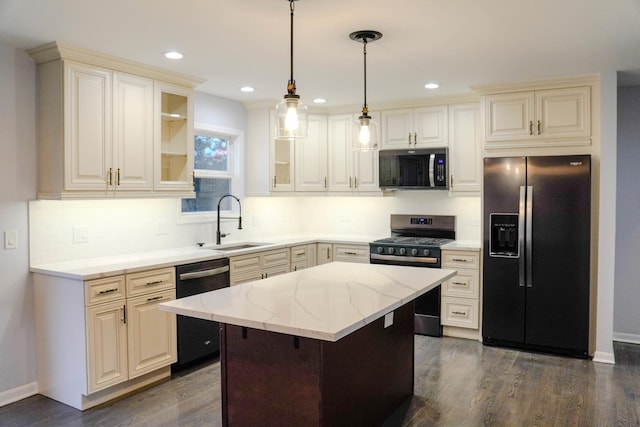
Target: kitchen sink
point(232, 247)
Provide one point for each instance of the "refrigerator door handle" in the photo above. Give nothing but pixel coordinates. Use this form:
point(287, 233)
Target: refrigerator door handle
point(528, 237)
point(521, 236)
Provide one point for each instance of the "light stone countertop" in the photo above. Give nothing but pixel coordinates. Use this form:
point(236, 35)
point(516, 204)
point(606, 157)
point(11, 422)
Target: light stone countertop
point(96, 268)
point(326, 302)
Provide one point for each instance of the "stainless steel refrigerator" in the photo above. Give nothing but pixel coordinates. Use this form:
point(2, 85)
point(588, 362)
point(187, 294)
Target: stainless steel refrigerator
point(536, 259)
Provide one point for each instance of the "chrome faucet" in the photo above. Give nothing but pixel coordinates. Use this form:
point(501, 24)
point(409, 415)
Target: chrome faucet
point(221, 235)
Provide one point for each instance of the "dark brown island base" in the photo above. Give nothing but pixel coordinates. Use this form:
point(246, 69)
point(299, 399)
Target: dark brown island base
point(273, 379)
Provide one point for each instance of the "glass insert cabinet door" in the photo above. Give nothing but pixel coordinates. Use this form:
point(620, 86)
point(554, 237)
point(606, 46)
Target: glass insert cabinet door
point(282, 152)
point(174, 138)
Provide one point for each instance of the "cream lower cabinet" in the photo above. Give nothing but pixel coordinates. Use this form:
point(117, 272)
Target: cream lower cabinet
point(460, 302)
point(324, 253)
point(351, 253)
point(100, 339)
point(258, 265)
point(303, 256)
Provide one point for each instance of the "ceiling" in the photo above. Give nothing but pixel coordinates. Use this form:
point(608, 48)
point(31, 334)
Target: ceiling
point(457, 43)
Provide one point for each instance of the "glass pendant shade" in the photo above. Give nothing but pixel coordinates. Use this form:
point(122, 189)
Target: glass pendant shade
point(366, 130)
point(292, 118)
point(365, 136)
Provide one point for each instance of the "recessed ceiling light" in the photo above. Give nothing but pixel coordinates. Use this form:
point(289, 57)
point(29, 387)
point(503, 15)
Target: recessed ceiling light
point(173, 54)
point(319, 100)
point(246, 89)
point(432, 85)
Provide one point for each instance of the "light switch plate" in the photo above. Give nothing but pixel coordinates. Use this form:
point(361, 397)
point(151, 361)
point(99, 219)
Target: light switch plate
point(11, 239)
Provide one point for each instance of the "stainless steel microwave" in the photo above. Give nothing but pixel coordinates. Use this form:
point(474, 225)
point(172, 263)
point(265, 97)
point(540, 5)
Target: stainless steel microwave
point(413, 169)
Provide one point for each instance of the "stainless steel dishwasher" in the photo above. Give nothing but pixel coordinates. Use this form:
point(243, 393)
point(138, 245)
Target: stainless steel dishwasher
point(198, 339)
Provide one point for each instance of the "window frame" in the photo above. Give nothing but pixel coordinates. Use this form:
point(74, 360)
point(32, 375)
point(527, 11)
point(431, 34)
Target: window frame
point(235, 138)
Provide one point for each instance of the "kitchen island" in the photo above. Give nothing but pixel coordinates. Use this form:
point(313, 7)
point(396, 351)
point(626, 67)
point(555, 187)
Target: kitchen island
point(325, 346)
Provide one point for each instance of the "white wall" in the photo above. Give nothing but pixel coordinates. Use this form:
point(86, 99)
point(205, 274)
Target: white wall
point(18, 178)
point(626, 322)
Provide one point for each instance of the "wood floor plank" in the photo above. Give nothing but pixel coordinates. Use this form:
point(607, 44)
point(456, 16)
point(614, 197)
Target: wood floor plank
point(457, 383)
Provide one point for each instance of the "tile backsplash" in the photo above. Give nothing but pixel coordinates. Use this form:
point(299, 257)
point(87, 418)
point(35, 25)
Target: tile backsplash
point(58, 229)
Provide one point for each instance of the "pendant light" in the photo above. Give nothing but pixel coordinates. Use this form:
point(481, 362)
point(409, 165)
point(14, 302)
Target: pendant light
point(366, 138)
point(291, 112)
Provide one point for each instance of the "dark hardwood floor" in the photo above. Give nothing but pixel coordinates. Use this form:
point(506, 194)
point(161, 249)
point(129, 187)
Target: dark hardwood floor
point(458, 383)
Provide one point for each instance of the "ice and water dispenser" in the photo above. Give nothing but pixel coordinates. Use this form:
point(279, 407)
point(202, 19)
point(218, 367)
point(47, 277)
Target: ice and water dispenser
point(504, 235)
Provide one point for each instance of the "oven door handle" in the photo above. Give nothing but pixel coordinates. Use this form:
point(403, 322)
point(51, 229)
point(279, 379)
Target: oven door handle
point(399, 260)
point(204, 273)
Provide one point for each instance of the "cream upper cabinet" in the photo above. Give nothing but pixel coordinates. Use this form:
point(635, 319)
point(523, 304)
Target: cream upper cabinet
point(99, 127)
point(174, 143)
point(543, 117)
point(423, 127)
point(132, 132)
point(465, 148)
point(86, 126)
point(349, 170)
point(311, 157)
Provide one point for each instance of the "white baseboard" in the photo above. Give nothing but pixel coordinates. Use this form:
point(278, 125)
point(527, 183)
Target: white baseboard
point(628, 338)
point(18, 393)
point(604, 357)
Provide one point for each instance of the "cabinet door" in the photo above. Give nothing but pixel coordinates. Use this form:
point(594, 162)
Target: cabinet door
point(132, 132)
point(87, 127)
point(106, 345)
point(509, 116)
point(324, 254)
point(397, 129)
point(365, 166)
point(173, 134)
point(282, 161)
point(311, 157)
point(151, 333)
point(340, 153)
point(430, 127)
point(563, 113)
point(465, 151)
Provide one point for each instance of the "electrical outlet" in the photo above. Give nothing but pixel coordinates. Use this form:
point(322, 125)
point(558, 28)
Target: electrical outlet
point(162, 227)
point(11, 239)
point(80, 234)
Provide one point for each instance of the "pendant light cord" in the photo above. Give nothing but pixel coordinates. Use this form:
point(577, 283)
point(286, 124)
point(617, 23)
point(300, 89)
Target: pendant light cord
point(365, 109)
point(291, 87)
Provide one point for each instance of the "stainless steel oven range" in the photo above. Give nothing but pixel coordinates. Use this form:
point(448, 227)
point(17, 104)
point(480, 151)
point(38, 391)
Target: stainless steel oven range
point(415, 241)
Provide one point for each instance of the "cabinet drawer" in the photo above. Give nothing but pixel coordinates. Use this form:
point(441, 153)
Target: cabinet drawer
point(299, 254)
point(351, 253)
point(150, 281)
point(275, 258)
point(465, 284)
point(104, 290)
point(245, 263)
point(460, 259)
point(295, 266)
point(460, 312)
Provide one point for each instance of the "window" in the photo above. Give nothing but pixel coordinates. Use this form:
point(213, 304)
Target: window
point(214, 154)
